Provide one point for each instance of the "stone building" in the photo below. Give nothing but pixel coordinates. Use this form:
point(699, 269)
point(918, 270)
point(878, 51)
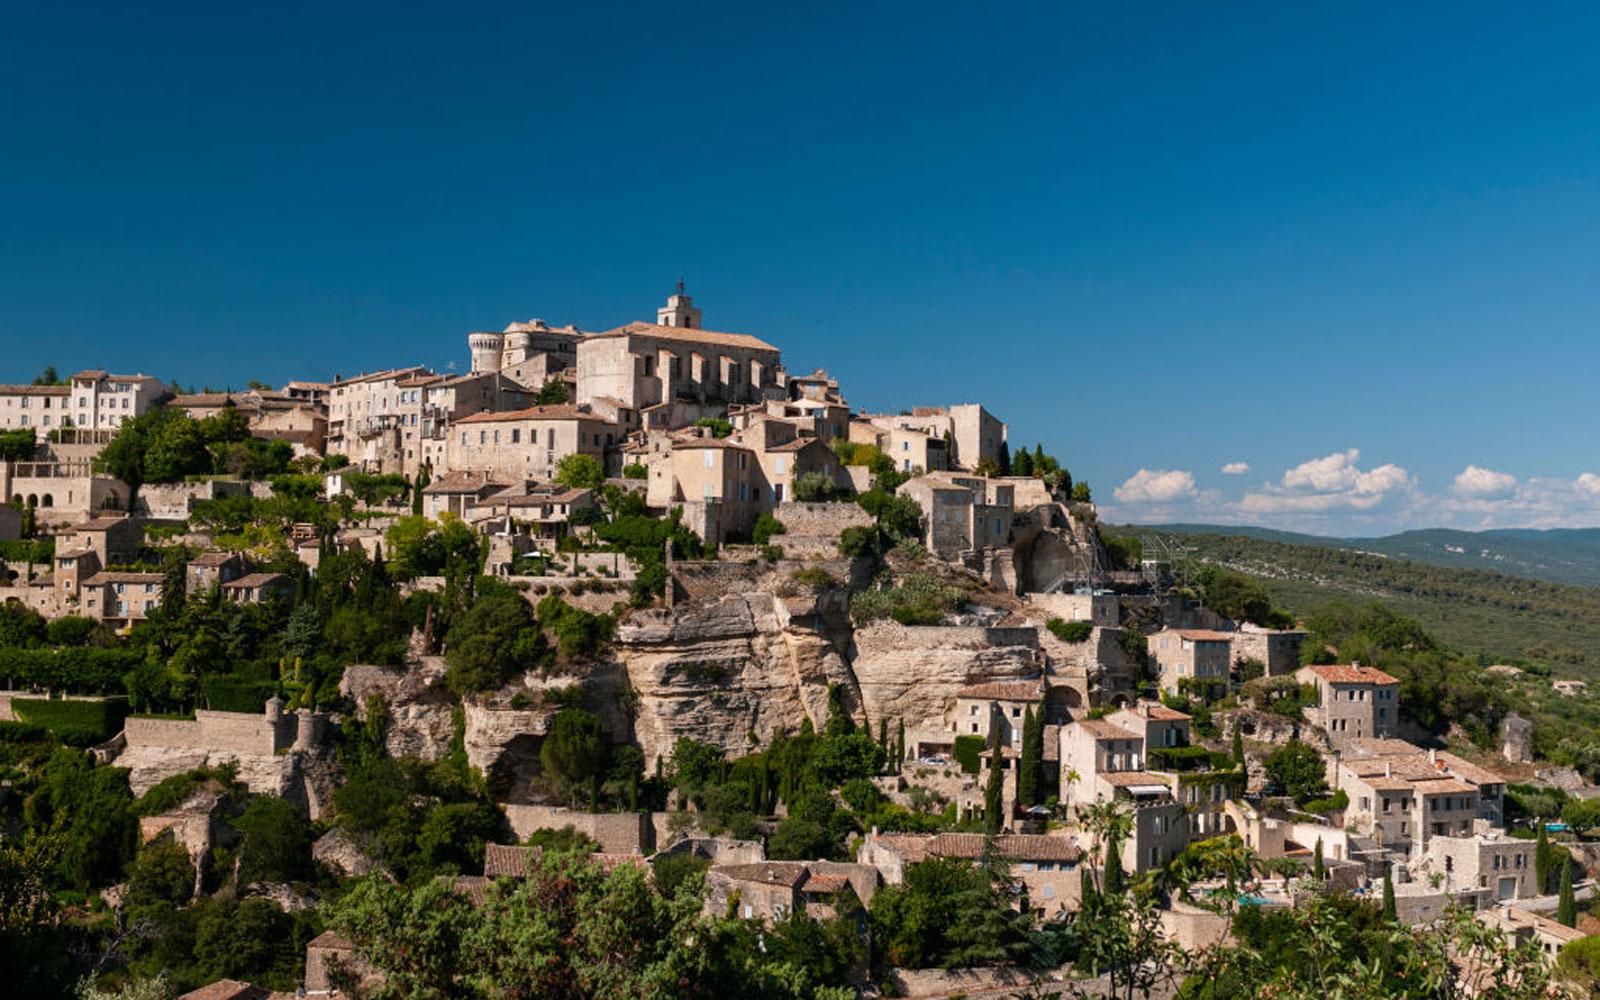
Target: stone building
point(37, 408)
point(120, 599)
point(398, 421)
point(528, 443)
point(258, 588)
point(962, 514)
point(1401, 795)
point(1045, 865)
point(999, 708)
point(1277, 650)
point(1355, 702)
point(271, 416)
point(1192, 656)
point(212, 569)
point(1488, 860)
point(974, 434)
point(643, 364)
point(102, 401)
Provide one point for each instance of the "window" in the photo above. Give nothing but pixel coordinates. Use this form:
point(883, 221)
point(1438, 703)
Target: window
point(482, 437)
point(1049, 892)
point(777, 466)
point(710, 459)
point(516, 436)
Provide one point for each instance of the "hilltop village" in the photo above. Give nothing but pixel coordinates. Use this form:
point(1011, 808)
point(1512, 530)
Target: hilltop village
point(298, 676)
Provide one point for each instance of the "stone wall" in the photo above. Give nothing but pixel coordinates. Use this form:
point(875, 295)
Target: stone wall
point(222, 732)
point(617, 833)
point(952, 982)
point(174, 501)
point(820, 520)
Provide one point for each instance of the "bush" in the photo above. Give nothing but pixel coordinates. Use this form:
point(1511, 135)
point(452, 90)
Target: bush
point(814, 577)
point(1332, 803)
point(1070, 631)
point(635, 470)
point(766, 527)
point(918, 599)
point(813, 487)
point(79, 671)
point(968, 751)
point(76, 723)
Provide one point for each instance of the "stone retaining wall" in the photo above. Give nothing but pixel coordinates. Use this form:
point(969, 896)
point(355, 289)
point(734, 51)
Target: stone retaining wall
point(617, 833)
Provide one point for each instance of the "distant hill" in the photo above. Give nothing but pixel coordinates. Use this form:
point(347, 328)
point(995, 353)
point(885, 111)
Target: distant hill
point(1493, 613)
point(1557, 555)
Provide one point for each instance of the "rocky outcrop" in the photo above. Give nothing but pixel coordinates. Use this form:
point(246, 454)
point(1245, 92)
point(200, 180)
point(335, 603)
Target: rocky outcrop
point(339, 851)
point(420, 707)
point(914, 672)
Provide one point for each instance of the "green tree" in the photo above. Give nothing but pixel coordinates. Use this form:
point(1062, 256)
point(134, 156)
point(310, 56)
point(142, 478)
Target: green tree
point(948, 913)
point(553, 393)
point(1237, 749)
point(1389, 912)
point(580, 471)
point(492, 642)
point(161, 873)
point(1298, 768)
point(994, 791)
point(1030, 765)
point(1566, 907)
point(277, 842)
point(573, 751)
point(89, 809)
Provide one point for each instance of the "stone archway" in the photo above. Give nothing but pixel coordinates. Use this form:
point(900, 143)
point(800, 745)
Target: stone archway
point(48, 501)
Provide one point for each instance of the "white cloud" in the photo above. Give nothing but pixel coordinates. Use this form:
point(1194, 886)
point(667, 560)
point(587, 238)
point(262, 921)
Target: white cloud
point(1235, 468)
point(1333, 482)
point(1156, 486)
point(1588, 483)
point(1474, 481)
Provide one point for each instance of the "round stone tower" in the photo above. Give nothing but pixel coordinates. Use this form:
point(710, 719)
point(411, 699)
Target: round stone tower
point(487, 349)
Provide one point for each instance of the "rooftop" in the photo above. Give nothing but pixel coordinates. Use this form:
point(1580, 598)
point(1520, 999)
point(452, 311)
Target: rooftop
point(1352, 673)
point(1004, 691)
point(250, 581)
point(1100, 729)
point(688, 335)
point(560, 412)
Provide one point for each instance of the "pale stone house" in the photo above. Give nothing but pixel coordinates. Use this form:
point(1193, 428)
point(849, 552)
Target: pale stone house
point(1525, 925)
point(974, 433)
point(528, 443)
point(1355, 702)
point(257, 588)
point(397, 421)
point(1045, 865)
point(212, 569)
point(1277, 650)
point(1401, 795)
point(1487, 860)
point(1102, 761)
point(643, 364)
point(997, 708)
point(961, 514)
point(1192, 657)
point(771, 891)
point(103, 401)
point(37, 408)
point(120, 599)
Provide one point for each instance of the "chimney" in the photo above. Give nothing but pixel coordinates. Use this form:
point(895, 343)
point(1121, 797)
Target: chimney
point(1388, 769)
point(1433, 758)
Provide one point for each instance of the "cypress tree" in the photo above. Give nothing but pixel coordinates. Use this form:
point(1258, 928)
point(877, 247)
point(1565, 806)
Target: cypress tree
point(1115, 879)
point(900, 747)
point(993, 793)
point(1088, 899)
point(883, 737)
point(1316, 862)
point(1389, 912)
point(1541, 860)
point(1567, 907)
point(1238, 744)
point(1031, 762)
point(1005, 459)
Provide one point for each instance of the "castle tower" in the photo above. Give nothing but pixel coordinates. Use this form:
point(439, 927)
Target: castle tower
point(486, 351)
point(679, 311)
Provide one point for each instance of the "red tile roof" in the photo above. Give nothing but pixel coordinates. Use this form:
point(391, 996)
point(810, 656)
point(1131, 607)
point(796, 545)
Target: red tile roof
point(1004, 691)
point(689, 335)
point(1351, 673)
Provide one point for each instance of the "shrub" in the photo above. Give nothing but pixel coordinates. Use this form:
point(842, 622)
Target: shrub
point(766, 527)
point(918, 599)
point(78, 670)
point(812, 487)
point(814, 577)
point(1070, 631)
point(968, 751)
point(772, 553)
point(73, 722)
point(635, 470)
point(1338, 800)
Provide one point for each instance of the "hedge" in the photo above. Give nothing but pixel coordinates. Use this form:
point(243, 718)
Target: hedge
point(77, 671)
point(230, 693)
point(74, 722)
point(1070, 631)
point(31, 550)
point(968, 750)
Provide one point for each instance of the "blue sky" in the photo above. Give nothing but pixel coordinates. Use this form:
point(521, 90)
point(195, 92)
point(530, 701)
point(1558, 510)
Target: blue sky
point(1160, 240)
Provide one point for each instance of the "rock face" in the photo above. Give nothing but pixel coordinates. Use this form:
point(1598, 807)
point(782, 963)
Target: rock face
point(755, 664)
point(421, 721)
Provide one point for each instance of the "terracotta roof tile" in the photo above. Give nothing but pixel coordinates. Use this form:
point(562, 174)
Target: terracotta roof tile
point(561, 412)
point(1004, 691)
point(688, 335)
point(506, 859)
point(1351, 673)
